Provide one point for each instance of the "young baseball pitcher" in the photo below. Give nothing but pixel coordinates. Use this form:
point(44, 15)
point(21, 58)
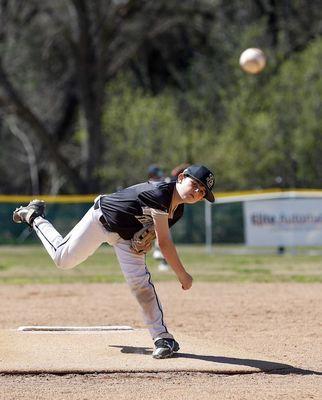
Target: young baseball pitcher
point(129, 220)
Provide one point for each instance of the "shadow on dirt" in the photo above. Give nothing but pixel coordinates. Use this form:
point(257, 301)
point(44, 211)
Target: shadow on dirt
point(134, 350)
point(269, 367)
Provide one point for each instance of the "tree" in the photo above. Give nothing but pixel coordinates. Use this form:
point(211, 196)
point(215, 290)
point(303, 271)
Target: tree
point(272, 136)
point(73, 49)
point(58, 58)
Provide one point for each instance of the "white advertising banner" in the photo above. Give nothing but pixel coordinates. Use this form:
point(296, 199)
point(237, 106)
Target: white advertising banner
point(283, 222)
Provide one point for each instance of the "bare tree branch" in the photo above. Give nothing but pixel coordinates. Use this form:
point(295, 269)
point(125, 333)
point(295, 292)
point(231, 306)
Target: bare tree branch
point(25, 113)
point(31, 155)
point(91, 84)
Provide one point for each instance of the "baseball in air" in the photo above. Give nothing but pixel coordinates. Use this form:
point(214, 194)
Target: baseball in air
point(252, 60)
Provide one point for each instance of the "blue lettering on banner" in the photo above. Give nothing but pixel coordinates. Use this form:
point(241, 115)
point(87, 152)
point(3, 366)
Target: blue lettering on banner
point(264, 219)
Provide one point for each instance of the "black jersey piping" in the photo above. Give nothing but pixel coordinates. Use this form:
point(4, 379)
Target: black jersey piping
point(62, 243)
point(157, 299)
point(45, 237)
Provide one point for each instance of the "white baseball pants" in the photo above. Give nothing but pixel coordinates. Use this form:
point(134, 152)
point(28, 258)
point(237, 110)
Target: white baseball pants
point(83, 240)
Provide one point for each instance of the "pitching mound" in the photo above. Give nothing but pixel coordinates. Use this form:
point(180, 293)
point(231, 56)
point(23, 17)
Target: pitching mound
point(88, 350)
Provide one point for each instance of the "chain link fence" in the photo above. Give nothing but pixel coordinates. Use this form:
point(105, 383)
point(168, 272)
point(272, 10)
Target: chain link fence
point(227, 222)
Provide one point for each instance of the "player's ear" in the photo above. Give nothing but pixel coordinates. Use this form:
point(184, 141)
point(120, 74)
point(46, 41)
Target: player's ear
point(180, 177)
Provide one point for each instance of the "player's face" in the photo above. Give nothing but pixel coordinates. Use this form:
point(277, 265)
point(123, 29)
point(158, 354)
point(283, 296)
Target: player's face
point(190, 190)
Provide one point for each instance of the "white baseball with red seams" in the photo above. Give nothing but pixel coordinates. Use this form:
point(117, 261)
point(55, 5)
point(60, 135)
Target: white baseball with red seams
point(252, 60)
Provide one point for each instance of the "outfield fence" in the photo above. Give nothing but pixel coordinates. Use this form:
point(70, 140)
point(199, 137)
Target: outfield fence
point(65, 211)
point(290, 217)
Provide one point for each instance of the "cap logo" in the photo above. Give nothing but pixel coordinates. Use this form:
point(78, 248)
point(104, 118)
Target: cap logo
point(210, 181)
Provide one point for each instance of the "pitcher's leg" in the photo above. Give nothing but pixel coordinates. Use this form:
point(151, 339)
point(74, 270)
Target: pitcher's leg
point(48, 235)
point(139, 279)
point(78, 245)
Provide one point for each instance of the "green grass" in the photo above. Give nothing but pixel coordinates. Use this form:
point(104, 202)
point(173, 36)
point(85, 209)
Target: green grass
point(31, 264)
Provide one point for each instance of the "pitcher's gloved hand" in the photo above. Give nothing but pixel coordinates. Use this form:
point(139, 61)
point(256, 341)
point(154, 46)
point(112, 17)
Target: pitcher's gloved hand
point(142, 240)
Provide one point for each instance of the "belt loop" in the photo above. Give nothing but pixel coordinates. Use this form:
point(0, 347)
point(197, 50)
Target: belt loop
point(97, 202)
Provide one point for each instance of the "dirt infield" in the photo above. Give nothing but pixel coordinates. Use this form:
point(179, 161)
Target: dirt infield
point(275, 321)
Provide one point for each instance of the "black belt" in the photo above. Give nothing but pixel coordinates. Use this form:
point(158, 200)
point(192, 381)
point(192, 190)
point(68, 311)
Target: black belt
point(102, 218)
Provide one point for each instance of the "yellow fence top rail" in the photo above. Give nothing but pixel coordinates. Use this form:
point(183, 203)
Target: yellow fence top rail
point(86, 198)
point(269, 191)
point(267, 194)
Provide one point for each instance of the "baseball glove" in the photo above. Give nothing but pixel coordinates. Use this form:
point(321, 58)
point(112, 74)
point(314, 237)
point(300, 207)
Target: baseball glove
point(142, 240)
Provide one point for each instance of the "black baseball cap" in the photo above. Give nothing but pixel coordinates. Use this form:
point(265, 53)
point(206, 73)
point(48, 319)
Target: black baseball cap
point(204, 176)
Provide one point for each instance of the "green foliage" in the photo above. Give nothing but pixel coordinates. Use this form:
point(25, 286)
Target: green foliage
point(143, 129)
point(296, 107)
point(273, 126)
point(163, 78)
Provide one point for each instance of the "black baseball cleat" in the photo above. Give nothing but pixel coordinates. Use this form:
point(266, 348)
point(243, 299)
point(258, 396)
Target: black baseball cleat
point(164, 348)
point(27, 214)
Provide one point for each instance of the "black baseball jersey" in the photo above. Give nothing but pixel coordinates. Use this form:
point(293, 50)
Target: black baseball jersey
point(128, 209)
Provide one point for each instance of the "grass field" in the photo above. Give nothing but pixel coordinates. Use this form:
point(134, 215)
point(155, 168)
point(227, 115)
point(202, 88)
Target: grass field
point(31, 264)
